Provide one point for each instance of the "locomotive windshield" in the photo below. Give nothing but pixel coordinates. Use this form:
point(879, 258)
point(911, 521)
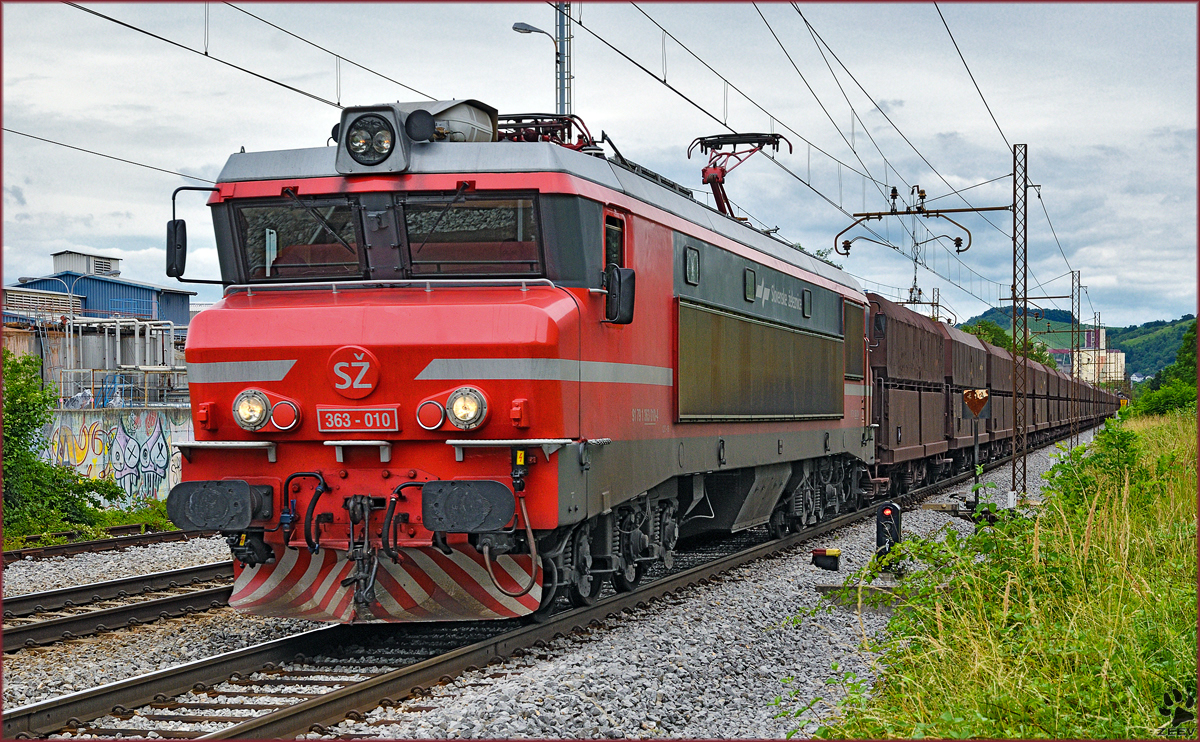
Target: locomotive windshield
point(414, 235)
point(299, 240)
point(483, 237)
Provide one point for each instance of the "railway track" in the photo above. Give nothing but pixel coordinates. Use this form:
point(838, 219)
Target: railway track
point(46, 617)
point(312, 680)
point(104, 544)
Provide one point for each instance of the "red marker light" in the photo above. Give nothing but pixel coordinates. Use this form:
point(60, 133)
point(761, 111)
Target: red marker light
point(887, 512)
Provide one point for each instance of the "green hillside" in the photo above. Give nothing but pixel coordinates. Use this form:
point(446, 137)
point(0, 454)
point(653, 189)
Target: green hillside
point(1148, 348)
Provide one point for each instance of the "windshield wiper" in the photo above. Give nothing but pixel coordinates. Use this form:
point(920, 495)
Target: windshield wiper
point(320, 219)
point(462, 188)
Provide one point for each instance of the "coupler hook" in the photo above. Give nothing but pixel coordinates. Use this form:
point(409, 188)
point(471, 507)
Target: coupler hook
point(360, 508)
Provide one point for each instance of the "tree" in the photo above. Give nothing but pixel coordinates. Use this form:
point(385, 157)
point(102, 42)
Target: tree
point(1185, 357)
point(993, 333)
point(40, 496)
point(1175, 387)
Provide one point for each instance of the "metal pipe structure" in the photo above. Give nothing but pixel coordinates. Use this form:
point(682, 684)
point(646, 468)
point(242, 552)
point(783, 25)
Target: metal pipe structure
point(71, 303)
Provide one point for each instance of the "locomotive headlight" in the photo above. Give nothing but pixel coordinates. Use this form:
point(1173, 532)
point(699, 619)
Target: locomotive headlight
point(370, 139)
point(467, 408)
point(382, 141)
point(251, 409)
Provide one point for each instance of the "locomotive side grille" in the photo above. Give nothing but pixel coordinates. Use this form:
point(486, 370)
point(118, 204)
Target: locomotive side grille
point(853, 330)
point(736, 368)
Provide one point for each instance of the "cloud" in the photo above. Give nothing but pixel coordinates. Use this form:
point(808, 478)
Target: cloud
point(889, 107)
point(16, 194)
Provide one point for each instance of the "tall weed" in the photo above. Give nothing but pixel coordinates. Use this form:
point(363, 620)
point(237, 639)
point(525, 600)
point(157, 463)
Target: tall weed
point(1075, 621)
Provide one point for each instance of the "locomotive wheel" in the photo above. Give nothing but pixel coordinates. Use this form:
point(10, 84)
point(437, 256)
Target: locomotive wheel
point(626, 580)
point(585, 587)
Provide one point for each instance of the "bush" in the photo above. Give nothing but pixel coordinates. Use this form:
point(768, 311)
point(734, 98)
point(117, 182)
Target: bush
point(40, 497)
point(1174, 395)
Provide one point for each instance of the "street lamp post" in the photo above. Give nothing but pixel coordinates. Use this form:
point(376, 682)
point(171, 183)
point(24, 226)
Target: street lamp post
point(561, 103)
point(71, 304)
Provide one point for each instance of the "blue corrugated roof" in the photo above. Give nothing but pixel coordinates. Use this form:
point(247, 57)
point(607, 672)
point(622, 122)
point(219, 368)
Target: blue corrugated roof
point(105, 296)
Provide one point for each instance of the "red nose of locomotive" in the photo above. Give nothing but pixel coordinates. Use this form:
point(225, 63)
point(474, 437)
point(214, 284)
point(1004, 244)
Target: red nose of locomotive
point(403, 421)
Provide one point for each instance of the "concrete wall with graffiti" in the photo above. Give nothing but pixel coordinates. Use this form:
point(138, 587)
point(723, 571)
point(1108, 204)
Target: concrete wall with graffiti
point(130, 445)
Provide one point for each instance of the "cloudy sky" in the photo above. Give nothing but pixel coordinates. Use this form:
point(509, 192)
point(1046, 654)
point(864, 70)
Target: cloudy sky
point(1104, 96)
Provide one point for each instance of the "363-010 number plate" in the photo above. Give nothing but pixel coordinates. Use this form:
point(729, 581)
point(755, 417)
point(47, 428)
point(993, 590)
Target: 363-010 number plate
point(358, 419)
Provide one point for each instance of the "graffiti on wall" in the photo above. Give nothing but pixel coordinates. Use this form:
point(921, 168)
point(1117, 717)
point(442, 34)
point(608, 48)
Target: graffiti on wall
point(131, 446)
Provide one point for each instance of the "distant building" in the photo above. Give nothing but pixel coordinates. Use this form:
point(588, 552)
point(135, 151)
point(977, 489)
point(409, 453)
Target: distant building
point(102, 339)
point(94, 295)
point(1097, 363)
point(1062, 358)
point(197, 307)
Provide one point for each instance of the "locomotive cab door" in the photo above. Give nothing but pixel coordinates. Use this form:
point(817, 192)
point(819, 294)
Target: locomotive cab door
point(627, 371)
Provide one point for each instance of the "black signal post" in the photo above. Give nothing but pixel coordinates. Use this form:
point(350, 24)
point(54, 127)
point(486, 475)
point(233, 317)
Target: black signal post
point(887, 528)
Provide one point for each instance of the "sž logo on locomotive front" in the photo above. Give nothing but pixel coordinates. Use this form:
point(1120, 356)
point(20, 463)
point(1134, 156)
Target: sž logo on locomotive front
point(353, 371)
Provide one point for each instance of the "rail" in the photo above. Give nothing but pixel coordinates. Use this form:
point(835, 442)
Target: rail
point(30, 603)
point(104, 544)
point(38, 631)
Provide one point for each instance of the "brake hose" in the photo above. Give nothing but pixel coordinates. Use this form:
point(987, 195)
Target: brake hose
point(487, 560)
point(385, 543)
point(309, 537)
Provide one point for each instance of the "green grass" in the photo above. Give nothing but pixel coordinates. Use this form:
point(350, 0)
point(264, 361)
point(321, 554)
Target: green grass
point(1073, 624)
point(152, 513)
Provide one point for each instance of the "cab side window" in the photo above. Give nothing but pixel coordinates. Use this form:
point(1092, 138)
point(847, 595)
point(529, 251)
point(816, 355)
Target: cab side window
point(614, 241)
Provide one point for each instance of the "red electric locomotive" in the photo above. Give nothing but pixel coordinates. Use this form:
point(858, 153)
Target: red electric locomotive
point(465, 364)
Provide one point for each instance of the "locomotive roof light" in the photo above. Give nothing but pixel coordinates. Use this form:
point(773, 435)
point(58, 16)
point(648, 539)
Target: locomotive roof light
point(467, 408)
point(370, 139)
point(251, 409)
point(381, 139)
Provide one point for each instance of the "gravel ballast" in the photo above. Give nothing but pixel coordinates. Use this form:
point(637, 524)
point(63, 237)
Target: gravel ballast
point(39, 674)
point(39, 575)
point(706, 663)
point(703, 665)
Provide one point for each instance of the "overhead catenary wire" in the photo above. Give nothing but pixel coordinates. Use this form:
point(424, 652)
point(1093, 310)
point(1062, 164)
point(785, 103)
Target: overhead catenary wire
point(878, 185)
point(1047, 213)
point(198, 52)
point(698, 107)
point(972, 76)
point(892, 123)
point(960, 190)
point(327, 51)
point(110, 157)
point(702, 109)
point(866, 129)
point(734, 87)
point(967, 67)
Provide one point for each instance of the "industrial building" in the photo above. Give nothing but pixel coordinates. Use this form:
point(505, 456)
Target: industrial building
point(103, 339)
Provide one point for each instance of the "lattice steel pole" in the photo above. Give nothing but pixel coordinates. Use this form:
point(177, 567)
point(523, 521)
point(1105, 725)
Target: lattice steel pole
point(1020, 323)
point(1073, 397)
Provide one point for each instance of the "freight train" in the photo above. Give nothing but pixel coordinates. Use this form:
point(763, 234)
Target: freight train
point(466, 364)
